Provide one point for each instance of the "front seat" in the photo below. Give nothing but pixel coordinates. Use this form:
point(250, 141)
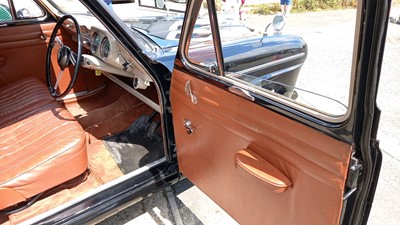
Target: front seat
point(41, 144)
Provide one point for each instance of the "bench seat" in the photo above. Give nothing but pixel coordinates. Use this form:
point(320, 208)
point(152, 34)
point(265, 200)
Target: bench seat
point(41, 144)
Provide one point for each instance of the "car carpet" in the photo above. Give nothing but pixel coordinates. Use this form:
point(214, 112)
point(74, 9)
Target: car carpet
point(137, 146)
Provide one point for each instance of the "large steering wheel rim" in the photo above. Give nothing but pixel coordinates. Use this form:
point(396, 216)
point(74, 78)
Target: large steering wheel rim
point(53, 91)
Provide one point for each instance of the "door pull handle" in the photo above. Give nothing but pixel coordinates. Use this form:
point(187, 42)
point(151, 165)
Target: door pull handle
point(43, 37)
point(188, 90)
point(253, 166)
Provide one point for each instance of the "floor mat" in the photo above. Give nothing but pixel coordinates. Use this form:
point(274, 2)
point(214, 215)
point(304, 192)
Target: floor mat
point(108, 112)
point(136, 146)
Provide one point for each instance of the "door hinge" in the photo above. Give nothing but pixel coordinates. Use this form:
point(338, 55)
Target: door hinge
point(355, 171)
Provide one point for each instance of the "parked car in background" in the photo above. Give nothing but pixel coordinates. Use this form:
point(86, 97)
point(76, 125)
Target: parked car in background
point(271, 61)
point(123, 1)
point(98, 109)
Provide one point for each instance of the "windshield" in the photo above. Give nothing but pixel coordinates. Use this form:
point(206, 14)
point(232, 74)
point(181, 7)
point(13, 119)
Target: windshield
point(163, 26)
point(68, 7)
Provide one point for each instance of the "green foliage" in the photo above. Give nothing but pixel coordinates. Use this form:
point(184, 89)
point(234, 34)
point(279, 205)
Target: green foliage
point(315, 5)
point(218, 5)
point(304, 6)
point(265, 9)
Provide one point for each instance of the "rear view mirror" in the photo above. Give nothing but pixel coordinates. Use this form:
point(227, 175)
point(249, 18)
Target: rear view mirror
point(160, 4)
point(275, 27)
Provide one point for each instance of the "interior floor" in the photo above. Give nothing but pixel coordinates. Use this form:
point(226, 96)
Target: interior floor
point(123, 135)
point(142, 138)
point(63, 193)
point(108, 112)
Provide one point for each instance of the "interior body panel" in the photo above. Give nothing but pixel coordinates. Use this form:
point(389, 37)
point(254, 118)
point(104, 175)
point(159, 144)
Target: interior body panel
point(23, 53)
point(225, 125)
point(104, 114)
point(28, 40)
point(108, 112)
point(98, 121)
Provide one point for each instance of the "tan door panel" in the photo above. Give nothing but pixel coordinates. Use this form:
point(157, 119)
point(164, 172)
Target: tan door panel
point(28, 40)
point(261, 167)
point(32, 40)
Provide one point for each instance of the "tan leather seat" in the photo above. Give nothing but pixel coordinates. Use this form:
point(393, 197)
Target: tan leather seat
point(41, 144)
point(19, 100)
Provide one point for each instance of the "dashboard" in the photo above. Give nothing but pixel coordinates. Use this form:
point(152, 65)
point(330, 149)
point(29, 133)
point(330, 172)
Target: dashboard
point(107, 55)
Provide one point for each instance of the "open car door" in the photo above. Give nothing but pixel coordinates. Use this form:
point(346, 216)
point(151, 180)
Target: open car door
point(266, 159)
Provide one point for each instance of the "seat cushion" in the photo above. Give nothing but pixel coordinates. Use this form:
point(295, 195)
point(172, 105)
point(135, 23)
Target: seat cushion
point(19, 100)
point(41, 148)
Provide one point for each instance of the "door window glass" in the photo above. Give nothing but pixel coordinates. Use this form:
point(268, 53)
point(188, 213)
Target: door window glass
point(24, 9)
point(282, 51)
point(27, 9)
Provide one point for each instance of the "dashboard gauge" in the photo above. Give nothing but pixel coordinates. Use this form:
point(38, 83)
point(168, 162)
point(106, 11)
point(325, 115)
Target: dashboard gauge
point(105, 48)
point(95, 42)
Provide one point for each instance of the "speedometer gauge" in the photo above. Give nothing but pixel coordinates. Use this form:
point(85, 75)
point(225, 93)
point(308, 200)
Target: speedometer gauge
point(95, 42)
point(105, 48)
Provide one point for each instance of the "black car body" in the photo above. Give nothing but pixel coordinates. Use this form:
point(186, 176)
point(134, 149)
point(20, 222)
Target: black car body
point(219, 112)
point(272, 62)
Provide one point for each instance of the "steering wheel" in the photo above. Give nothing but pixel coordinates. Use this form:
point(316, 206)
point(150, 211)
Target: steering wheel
point(65, 58)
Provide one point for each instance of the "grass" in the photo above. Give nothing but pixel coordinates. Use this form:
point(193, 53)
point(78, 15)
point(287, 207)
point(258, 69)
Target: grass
point(305, 6)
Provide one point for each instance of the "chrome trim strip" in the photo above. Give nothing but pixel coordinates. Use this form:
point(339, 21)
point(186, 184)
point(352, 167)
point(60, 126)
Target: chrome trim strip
point(349, 193)
point(96, 191)
point(137, 94)
point(276, 73)
point(273, 63)
point(241, 92)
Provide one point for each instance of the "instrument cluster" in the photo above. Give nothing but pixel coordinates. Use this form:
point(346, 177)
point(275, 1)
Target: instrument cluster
point(108, 56)
point(100, 45)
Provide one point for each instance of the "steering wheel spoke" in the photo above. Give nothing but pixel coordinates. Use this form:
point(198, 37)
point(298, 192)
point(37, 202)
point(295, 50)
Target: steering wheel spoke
point(65, 58)
point(58, 79)
point(73, 58)
point(58, 41)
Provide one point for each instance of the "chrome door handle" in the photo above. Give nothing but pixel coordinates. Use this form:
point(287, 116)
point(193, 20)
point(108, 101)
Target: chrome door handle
point(188, 90)
point(188, 126)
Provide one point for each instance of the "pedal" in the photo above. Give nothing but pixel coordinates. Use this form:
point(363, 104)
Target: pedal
point(152, 128)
